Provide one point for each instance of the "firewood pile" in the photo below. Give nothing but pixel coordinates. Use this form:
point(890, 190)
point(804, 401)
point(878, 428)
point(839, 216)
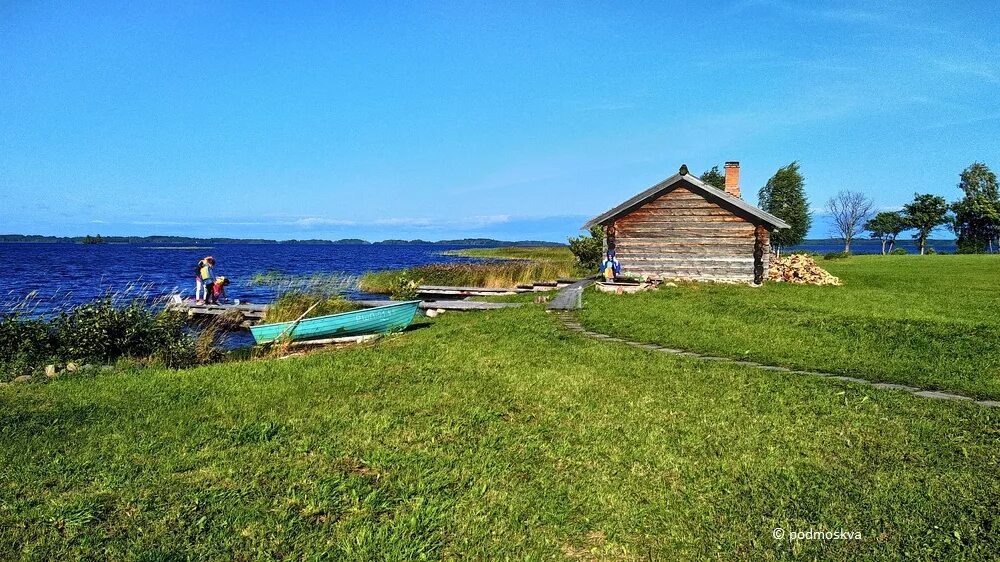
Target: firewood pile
point(799, 268)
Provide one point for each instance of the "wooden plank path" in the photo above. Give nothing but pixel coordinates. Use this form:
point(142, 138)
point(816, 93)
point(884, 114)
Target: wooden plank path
point(570, 297)
point(254, 313)
point(435, 292)
point(449, 305)
point(251, 312)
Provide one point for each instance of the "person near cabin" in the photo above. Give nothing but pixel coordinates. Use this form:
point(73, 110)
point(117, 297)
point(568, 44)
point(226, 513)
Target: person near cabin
point(219, 288)
point(610, 268)
point(207, 275)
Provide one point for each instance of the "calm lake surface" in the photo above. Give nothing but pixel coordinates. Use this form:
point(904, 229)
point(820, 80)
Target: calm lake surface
point(68, 274)
point(866, 246)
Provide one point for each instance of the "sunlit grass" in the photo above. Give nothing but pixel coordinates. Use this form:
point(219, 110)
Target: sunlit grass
point(928, 321)
point(485, 436)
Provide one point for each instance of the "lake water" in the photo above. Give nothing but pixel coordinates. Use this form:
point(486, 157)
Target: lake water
point(866, 246)
point(68, 274)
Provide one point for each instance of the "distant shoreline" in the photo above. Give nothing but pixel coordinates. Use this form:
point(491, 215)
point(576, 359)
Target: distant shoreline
point(204, 242)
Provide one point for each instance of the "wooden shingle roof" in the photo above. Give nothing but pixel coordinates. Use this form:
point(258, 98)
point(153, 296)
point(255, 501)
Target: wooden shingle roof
point(735, 204)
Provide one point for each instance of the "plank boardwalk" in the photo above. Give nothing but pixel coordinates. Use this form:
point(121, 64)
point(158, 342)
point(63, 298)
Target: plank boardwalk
point(570, 297)
point(254, 313)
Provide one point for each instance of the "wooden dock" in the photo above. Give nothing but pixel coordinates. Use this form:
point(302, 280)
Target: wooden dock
point(254, 313)
point(450, 305)
point(440, 292)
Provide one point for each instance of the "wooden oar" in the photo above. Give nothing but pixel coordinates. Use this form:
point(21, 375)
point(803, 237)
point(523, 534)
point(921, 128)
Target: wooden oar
point(295, 323)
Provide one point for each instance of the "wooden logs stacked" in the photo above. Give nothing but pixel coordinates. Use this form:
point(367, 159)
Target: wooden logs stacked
point(799, 268)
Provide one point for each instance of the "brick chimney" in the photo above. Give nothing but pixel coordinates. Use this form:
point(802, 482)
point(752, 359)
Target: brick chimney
point(733, 178)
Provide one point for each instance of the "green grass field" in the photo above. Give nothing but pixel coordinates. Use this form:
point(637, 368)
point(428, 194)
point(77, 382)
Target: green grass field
point(501, 435)
point(929, 321)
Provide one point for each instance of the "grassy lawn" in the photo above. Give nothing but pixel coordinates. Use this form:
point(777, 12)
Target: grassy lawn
point(929, 321)
point(494, 435)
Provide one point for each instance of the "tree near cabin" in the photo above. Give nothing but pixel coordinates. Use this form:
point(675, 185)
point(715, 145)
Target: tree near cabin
point(977, 214)
point(850, 210)
point(925, 213)
point(784, 197)
point(714, 178)
point(886, 226)
point(589, 250)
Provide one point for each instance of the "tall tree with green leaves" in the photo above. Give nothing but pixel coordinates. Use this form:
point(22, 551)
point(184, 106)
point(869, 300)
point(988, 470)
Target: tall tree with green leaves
point(784, 197)
point(714, 178)
point(925, 213)
point(886, 226)
point(977, 214)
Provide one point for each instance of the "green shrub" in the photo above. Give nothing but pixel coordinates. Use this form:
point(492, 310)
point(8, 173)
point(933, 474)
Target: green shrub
point(102, 331)
point(930, 252)
point(589, 249)
point(899, 252)
point(24, 344)
point(99, 331)
point(835, 255)
point(405, 289)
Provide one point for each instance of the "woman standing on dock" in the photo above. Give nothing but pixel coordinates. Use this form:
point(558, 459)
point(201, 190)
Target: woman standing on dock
point(199, 287)
point(207, 275)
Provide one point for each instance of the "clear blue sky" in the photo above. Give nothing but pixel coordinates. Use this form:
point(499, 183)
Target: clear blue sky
point(437, 120)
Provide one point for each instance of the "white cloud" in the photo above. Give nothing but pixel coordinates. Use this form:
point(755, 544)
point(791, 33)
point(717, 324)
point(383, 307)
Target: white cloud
point(975, 69)
point(319, 221)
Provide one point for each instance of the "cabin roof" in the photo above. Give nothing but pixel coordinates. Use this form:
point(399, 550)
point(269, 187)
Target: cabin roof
point(737, 205)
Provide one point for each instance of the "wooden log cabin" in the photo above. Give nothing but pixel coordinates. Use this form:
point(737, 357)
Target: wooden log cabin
point(683, 228)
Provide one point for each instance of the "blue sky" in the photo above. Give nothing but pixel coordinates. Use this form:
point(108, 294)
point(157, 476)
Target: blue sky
point(440, 120)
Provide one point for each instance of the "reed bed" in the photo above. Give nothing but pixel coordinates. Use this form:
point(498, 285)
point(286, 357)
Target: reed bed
point(493, 275)
point(318, 284)
point(502, 267)
point(290, 306)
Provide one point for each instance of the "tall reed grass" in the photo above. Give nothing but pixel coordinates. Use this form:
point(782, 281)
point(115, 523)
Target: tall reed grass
point(319, 284)
point(297, 293)
point(507, 273)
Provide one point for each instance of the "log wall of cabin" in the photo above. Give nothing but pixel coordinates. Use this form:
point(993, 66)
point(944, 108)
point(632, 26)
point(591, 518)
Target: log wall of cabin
point(682, 235)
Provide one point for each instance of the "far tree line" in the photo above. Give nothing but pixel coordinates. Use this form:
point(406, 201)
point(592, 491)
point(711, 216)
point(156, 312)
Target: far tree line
point(974, 217)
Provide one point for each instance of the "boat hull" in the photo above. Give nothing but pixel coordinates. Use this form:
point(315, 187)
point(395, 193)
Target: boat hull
point(377, 320)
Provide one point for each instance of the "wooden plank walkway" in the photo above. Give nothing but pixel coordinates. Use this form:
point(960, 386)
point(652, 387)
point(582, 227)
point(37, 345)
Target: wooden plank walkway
point(251, 312)
point(254, 313)
point(570, 297)
point(449, 305)
point(431, 292)
point(434, 292)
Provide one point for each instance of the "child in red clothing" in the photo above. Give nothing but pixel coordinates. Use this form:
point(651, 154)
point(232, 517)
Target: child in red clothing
point(219, 288)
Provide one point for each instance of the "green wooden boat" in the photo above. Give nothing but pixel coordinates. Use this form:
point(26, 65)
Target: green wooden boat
point(377, 320)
